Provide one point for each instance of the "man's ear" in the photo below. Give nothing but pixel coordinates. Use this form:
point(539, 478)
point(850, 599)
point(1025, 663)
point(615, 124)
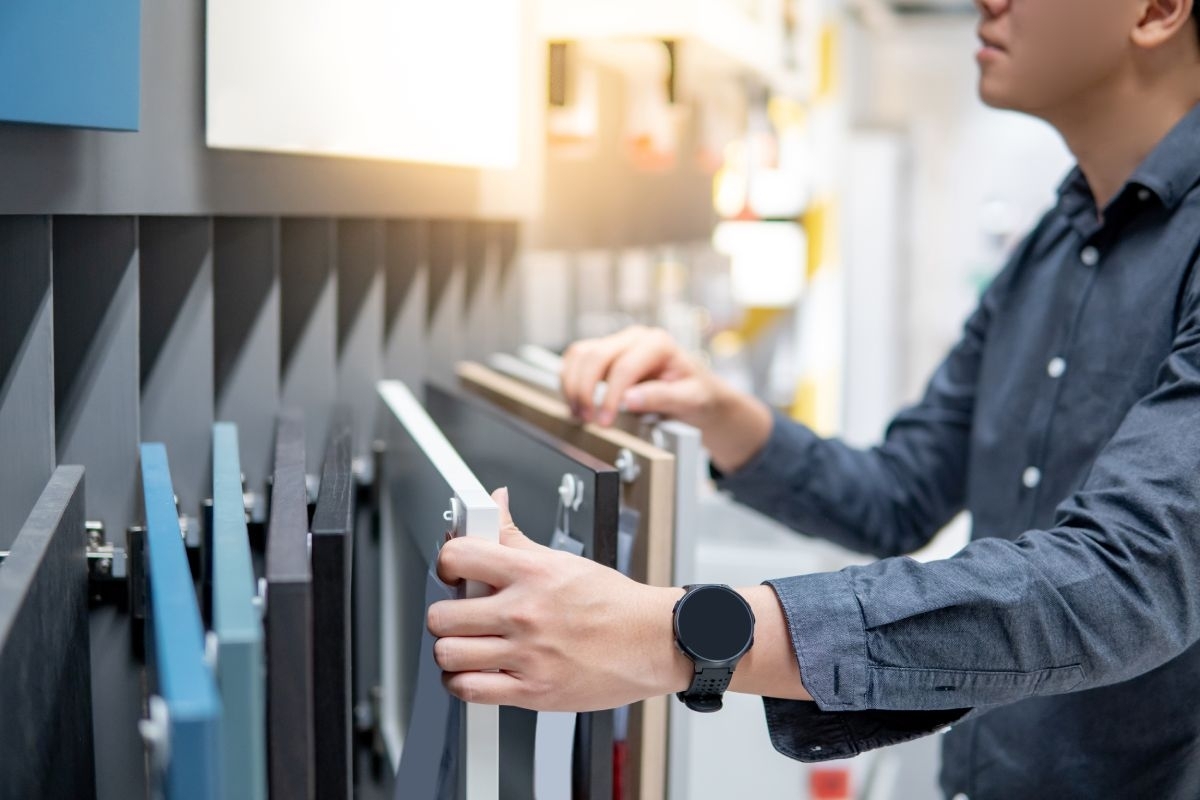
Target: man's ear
point(1161, 21)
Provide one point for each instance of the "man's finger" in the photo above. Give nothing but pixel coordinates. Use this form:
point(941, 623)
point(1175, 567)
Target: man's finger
point(485, 688)
point(677, 399)
point(474, 653)
point(628, 369)
point(468, 558)
point(477, 616)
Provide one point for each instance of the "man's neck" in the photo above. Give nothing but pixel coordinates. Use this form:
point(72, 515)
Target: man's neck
point(1112, 129)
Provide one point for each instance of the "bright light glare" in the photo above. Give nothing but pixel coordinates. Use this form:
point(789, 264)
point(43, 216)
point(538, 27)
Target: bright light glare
point(768, 261)
point(435, 81)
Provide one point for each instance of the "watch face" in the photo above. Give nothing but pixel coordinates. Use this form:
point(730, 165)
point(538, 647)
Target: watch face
point(714, 623)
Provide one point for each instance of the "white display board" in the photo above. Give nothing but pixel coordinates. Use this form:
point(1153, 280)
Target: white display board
point(437, 81)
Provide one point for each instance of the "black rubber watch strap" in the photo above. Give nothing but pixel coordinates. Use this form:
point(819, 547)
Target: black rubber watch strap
point(708, 687)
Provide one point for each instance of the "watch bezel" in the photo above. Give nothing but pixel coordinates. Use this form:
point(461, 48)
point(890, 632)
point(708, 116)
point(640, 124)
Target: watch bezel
point(699, 660)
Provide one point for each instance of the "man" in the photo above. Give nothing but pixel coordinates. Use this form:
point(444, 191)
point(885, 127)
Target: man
point(1061, 643)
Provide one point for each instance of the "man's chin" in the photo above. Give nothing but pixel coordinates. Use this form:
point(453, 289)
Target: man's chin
point(994, 98)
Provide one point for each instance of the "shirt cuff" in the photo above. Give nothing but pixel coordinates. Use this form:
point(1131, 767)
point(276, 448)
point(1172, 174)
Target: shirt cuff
point(828, 633)
point(768, 477)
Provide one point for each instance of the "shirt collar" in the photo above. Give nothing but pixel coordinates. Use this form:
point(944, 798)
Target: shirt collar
point(1170, 171)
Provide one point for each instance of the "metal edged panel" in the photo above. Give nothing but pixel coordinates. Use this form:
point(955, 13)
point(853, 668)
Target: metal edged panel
point(26, 369)
point(428, 490)
point(186, 721)
point(503, 450)
point(96, 361)
point(45, 696)
point(176, 362)
point(237, 625)
point(332, 552)
point(289, 645)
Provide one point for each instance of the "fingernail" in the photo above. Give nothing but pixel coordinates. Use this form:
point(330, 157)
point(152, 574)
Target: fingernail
point(502, 492)
point(634, 400)
point(606, 418)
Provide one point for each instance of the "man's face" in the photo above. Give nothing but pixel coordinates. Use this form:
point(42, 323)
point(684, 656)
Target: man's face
point(1038, 56)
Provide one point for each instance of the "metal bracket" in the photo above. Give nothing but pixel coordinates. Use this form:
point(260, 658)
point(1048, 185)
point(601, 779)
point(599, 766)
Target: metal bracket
point(455, 517)
point(570, 492)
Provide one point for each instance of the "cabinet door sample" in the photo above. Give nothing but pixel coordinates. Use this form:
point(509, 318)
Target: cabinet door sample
point(175, 647)
point(289, 619)
point(503, 450)
point(650, 490)
point(237, 623)
point(46, 695)
point(332, 541)
point(427, 493)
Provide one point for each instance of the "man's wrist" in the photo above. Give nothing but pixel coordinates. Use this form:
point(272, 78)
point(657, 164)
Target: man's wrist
point(740, 428)
point(670, 670)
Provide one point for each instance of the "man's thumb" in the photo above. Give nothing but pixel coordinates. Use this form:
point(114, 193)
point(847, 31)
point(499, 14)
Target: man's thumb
point(510, 534)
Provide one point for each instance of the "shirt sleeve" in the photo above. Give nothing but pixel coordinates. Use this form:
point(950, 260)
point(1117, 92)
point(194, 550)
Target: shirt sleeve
point(887, 500)
point(1107, 594)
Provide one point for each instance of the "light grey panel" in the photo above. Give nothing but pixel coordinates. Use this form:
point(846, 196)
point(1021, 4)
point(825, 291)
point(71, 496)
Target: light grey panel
point(96, 362)
point(177, 348)
point(26, 369)
point(246, 310)
point(360, 286)
point(308, 292)
point(406, 268)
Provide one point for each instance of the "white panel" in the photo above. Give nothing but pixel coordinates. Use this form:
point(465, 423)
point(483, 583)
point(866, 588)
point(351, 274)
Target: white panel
point(436, 82)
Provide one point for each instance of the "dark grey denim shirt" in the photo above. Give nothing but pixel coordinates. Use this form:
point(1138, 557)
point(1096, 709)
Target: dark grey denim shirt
point(1061, 643)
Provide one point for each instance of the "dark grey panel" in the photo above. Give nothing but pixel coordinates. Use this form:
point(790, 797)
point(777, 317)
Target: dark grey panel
point(246, 336)
point(245, 270)
point(45, 694)
point(504, 451)
point(24, 281)
point(360, 322)
point(174, 253)
point(176, 301)
point(91, 258)
point(308, 294)
point(289, 620)
point(306, 262)
point(447, 244)
point(26, 372)
point(95, 275)
point(332, 542)
point(359, 261)
point(406, 253)
point(477, 247)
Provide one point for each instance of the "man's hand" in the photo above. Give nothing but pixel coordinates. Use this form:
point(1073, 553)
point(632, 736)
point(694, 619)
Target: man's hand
point(647, 372)
point(561, 633)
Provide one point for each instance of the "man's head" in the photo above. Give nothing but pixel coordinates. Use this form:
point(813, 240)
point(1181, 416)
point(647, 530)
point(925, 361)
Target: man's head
point(1043, 55)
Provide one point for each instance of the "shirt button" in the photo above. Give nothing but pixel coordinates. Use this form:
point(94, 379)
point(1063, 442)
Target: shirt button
point(1143, 195)
point(961, 796)
point(1056, 367)
point(1031, 477)
point(1090, 256)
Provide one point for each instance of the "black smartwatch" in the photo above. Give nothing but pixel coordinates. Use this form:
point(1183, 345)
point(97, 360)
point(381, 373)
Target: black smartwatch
point(714, 627)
